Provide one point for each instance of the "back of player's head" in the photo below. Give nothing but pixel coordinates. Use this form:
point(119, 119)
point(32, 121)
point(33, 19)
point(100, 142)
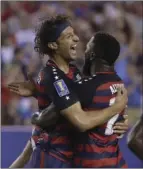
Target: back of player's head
point(48, 31)
point(106, 47)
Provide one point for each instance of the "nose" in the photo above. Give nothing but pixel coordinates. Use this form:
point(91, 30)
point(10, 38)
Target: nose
point(76, 38)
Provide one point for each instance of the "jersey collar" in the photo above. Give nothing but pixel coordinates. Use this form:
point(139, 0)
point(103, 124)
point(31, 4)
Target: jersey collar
point(51, 63)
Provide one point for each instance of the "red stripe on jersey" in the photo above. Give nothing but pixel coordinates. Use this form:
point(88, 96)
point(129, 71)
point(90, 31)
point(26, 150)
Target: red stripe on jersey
point(102, 99)
point(77, 160)
point(60, 140)
point(104, 139)
point(70, 73)
point(107, 85)
point(124, 166)
point(80, 147)
point(97, 149)
point(42, 156)
point(56, 156)
point(97, 163)
point(40, 88)
point(67, 153)
point(120, 158)
point(42, 101)
point(45, 136)
point(94, 148)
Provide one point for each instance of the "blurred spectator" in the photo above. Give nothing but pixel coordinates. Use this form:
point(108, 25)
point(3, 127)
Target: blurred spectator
point(121, 19)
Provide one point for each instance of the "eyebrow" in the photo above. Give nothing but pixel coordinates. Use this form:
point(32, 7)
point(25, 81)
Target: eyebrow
point(69, 33)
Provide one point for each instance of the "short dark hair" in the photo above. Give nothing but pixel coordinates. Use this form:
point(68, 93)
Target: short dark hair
point(106, 47)
point(45, 32)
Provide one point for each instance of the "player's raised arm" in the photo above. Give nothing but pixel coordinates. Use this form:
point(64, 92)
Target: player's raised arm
point(67, 102)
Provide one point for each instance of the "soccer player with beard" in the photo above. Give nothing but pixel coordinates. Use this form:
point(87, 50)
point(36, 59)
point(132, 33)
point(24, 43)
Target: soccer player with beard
point(65, 43)
point(97, 147)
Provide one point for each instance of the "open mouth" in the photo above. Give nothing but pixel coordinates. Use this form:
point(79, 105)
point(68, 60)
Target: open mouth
point(73, 47)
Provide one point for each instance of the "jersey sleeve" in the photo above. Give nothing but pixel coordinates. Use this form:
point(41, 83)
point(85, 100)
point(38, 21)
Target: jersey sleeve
point(59, 88)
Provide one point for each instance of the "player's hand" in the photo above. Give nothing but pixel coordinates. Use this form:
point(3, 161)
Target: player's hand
point(25, 89)
point(46, 118)
point(122, 97)
point(121, 127)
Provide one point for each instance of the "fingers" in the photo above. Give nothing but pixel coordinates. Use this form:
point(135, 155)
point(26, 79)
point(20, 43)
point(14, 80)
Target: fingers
point(13, 87)
point(16, 91)
point(125, 116)
point(119, 131)
point(119, 91)
point(120, 124)
point(120, 128)
point(124, 95)
point(120, 136)
point(124, 91)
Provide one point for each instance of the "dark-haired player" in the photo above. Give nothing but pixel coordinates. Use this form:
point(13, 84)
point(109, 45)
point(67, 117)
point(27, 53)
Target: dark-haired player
point(56, 38)
point(97, 147)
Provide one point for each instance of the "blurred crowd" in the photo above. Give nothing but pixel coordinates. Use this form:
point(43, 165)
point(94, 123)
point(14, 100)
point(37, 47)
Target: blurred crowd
point(19, 19)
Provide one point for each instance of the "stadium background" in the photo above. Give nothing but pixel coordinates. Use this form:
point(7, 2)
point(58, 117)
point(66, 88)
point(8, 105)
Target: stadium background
point(121, 19)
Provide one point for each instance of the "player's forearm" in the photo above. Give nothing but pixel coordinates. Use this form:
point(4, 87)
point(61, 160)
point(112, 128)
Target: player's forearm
point(99, 117)
point(20, 162)
point(83, 120)
point(135, 139)
point(23, 158)
point(89, 120)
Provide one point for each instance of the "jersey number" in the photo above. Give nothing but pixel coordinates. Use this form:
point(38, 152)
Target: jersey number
point(110, 123)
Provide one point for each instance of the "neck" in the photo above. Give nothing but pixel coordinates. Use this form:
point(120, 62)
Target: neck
point(61, 63)
point(101, 66)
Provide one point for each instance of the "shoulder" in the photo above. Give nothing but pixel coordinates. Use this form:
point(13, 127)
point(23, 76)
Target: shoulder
point(45, 74)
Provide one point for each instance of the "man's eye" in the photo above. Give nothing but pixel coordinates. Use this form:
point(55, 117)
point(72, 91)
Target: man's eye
point(69, 36)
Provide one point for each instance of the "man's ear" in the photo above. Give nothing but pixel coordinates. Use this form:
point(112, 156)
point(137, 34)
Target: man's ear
point(53, 45)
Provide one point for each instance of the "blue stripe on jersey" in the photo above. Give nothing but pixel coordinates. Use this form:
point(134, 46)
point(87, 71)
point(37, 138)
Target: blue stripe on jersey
point(83, 140)
point(98, 130)
point(96, 156)
point(103, 92)
point(62, 147)
point(100, 105)
point(121, 162)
